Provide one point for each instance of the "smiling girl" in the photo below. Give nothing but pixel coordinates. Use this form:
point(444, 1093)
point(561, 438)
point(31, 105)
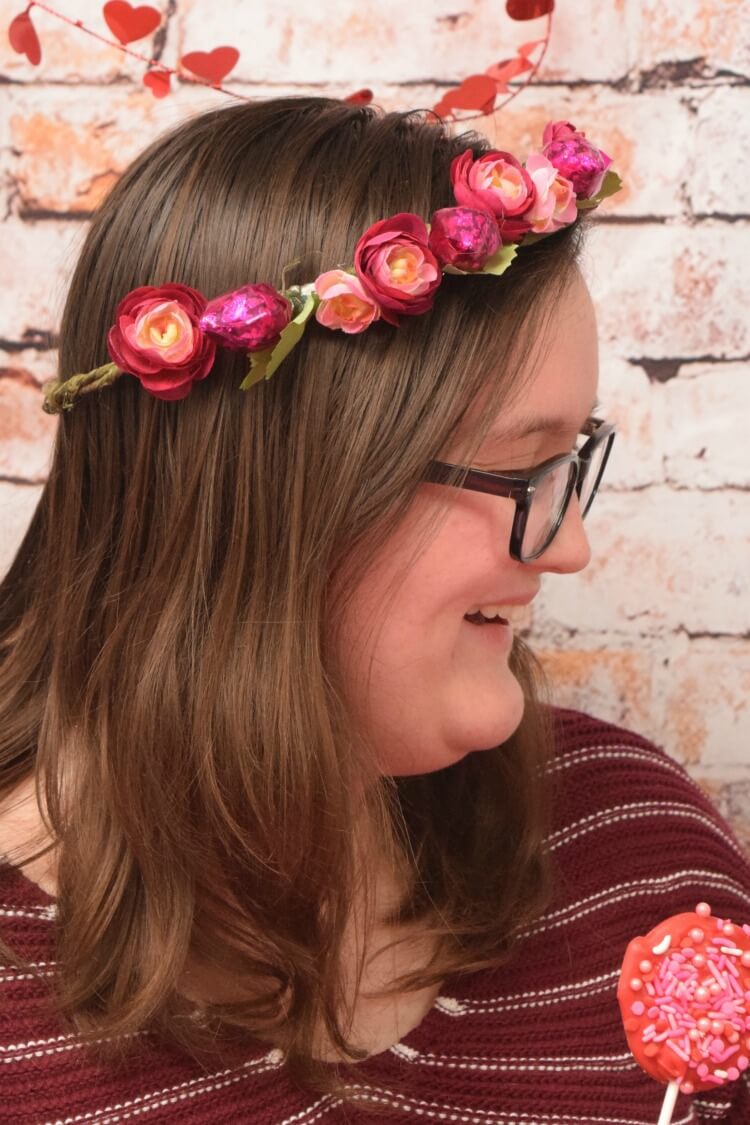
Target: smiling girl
point(291, 832)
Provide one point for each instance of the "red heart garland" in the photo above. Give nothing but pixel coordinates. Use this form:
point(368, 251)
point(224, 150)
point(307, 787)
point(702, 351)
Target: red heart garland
point(502, 72)
point(127, 23)
point(214, 65)
point(529, 9)
point(478, 91)
point(24, 39)
point(157, 82)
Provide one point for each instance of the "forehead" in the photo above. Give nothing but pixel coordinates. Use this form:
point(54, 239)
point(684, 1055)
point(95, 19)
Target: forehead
point(562, 371)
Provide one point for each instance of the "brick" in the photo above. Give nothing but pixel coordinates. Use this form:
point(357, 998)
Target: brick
point(396, 43)
point(706, 443)
point(26, 432)
point(613, 684)
point(662, 559)
point(730, 792)
point(29, 364)
point(339, 43)
point(702, 701)
point(681, 30)
point(17, 505)
point(42, 255)
point(68, 55)
point(343, 42)
point(666, 291)
point(629, 400)
point(589, 42)
point(722, 152)
point(71, 148)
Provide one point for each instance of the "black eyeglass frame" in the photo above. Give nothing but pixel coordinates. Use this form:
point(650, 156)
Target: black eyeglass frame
point(522, 487)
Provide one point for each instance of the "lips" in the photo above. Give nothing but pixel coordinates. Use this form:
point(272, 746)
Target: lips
point(502, 602)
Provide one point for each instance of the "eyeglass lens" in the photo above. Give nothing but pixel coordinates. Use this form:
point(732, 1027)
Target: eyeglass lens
point(545, 513)
point(550, 498)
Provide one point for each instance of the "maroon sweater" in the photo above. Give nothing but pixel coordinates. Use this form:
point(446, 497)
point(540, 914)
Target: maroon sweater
point(538, 1042)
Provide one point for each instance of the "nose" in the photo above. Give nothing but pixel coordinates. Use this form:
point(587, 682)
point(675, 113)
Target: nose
point(570, 550)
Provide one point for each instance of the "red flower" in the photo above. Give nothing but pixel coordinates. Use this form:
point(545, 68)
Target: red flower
point(396, 266)
point(463, 237)
point(497, 183)
point(156, 337)
point(576, 158)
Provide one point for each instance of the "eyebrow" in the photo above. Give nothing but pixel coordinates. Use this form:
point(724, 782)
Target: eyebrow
point(556, 426)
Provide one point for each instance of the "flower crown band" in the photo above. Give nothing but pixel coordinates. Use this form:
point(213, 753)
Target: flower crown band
point(166, 336)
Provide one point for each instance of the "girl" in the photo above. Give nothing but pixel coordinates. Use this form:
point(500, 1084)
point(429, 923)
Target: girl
point(290, 831)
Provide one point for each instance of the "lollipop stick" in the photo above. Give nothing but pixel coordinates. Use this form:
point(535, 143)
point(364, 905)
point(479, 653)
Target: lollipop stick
point(668, 1104)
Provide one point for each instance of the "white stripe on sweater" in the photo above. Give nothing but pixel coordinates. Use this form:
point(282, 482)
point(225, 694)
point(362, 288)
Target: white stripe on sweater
point(587, 1063)
point(653, 885)
point(543, 997)
point(37, 913)
point(614, 752)
point(74, 1044)
point(272, 1060)
point(634, 811)
point(443, 1111)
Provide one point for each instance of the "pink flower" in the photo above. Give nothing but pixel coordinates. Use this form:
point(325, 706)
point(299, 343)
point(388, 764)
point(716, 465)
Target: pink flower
point(396, 266)
point(463, 237)
point(555, 204)
point(497, 183)
point(249, 319)
point(575, 157)
point(157, 338)
point(344, 303)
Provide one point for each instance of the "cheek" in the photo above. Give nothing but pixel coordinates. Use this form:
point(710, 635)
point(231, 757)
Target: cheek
point(427, 687)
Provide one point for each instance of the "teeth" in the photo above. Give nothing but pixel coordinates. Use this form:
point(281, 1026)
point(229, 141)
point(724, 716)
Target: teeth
point(488, 611)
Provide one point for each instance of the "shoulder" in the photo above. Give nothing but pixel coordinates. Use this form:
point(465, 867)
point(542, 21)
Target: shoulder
point(631, 829)
point(27, 915)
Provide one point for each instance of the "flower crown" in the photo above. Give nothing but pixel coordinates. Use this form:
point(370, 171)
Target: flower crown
point(166, 336)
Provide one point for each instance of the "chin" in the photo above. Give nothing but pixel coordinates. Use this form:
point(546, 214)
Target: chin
point(493, 718)
point(481, 725)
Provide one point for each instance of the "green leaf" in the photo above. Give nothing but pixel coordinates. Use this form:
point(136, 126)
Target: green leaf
point(531, 237)
point(499, 262)
point(610, 184)
point(496, 265)
point(263, 364)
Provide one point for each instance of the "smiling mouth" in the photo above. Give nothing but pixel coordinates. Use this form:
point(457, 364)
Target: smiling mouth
point(479, 619)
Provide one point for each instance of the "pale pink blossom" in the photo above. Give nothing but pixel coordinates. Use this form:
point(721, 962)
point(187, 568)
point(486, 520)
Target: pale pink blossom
point(555, 203)
point(344, 303)
point(165, 327)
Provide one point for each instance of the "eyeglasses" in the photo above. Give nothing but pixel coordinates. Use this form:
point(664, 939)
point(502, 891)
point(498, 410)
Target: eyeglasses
point(542, 495)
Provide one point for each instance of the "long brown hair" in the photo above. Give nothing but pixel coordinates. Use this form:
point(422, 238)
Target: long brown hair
point(169, 671)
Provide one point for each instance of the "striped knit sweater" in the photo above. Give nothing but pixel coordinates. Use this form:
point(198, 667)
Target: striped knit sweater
point(538, 1042)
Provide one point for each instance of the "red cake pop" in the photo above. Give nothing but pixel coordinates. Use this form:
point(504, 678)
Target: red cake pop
point(684, 994)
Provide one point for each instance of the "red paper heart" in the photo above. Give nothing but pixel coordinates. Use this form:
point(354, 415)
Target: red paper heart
point(527, 49)
point(359, 97)
point(478, 91)
point(529, 9)
point(127, 23)
point(502, 72)
point(157, 82)
point(24, 39)
point(214, 65)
